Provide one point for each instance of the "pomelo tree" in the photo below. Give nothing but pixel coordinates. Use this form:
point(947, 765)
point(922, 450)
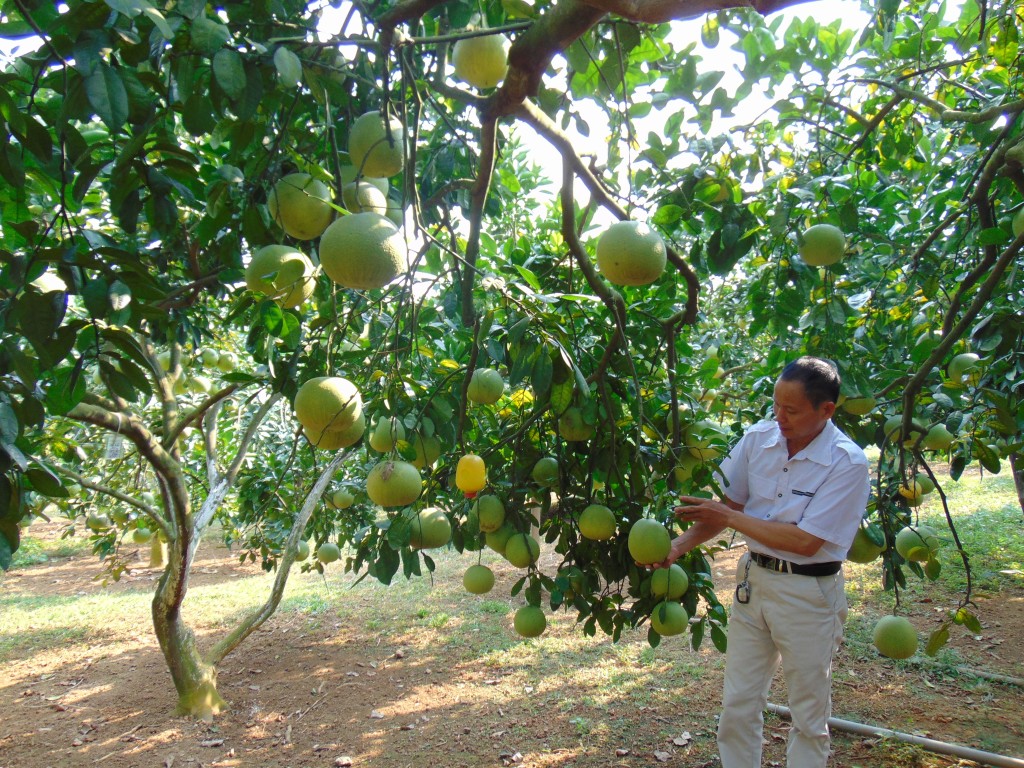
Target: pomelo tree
point(143, 175)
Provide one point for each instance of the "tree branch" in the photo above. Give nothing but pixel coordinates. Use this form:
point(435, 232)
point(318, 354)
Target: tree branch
point(660, 11)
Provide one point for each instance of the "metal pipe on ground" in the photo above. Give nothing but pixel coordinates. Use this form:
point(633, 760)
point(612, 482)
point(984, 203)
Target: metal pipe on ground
point(939, 747)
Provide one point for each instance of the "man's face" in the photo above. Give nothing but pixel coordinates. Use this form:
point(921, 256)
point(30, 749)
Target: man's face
point(798, 419)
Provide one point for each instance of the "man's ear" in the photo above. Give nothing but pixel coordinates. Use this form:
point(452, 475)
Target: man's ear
point(828, 409)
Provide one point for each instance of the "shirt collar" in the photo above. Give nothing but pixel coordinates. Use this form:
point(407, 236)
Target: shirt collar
point(819, 450)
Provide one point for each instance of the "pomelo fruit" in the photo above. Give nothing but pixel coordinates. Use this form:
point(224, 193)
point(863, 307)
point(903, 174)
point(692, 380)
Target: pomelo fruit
point(327, 403)
point(301, 550)
point(863, 549)
point(364, 197)
point(394, 484)
point(348, 175)
point(530, 621)
point(301, 205)
point(1017, 223)
point(938, 438)
point(209, 357)
point(372, 150)
point(282, 273)
point(363, 251)
point(917, 544)
point(485, 386)
point(470, 474)
point(822, 245)
point(430, 529)
point(97, 522)
point(705, 440)
point(631, 253)
point(597, 522)
point(669, 618)
point(481, 61)
point(670, 583)
point(859, 406)
point(478, 579)
point(142, 535)
point(573, 428)
point(895, 637)
point(545, 471)
point(428, 450)
point(962, 364)
point(498, 539)
point(490, 512)
point(334, 439)
point(649, 541)
point(522, 550)
point(227, 362)
point(328, 552)
point(342, 498)
point(386, 434)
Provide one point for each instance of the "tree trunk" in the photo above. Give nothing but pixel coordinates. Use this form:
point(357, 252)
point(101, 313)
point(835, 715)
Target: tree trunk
point(1017, 470)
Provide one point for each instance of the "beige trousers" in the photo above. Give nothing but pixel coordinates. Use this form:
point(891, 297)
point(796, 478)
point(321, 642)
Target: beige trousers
point(795, 620)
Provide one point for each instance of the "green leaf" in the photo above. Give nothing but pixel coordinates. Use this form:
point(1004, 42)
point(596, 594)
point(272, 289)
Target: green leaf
point(937, 640)
point(158, 21)
point(108, 96)
point(45, 482)
point(229, 70)
point(10, 535)
point(719, 638)
point(561, 396)
point(66, 391)
point(967, 619)
point(289, 67)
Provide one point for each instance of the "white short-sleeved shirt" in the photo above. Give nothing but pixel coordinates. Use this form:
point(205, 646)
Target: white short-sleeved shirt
point(823, 489)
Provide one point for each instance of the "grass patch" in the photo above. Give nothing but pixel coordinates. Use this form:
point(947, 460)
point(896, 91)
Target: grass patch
point(35, 551)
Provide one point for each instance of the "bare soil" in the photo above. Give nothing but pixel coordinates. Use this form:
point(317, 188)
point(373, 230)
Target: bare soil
point(336, 692)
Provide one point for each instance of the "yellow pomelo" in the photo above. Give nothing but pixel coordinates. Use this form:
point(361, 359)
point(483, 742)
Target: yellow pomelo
point(670, 583)
point(573, 428)
point(490, 512)
point(649, 541)
point(282, 273)
point(530, 621)
point(478, 579)
point(394, 484)
point(430, 529)
point(631, 253)
point(669, 618)
point(913, 493)
point(363, 251)
point(918, 543)
point(863, 549)
point(545, 471)
point(822, 245)
point(372, 150)
point(498, 540)
point(485, 386)
point(301, 205)
point(364, 197)
point(386, 434)
point(334, 439)
point(522, 550)
point(597, 522)
point(481, 61)
point(327, 403)
point(470, 474)
point(895, 637)
point(328, 552)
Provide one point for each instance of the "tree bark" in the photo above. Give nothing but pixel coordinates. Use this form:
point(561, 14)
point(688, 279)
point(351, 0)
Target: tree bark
point(1017, 470)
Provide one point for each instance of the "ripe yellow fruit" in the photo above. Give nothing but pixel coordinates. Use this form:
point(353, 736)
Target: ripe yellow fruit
point(372, 151)
point(669, 618)
point(670, 583)
point(386, 434)
point(545, 471)
point(364, 197)
point(478, 579)
point(301, 205)
point(328, 552)
point(530, 621)
point(522, 550)
point(863, 549)
point(822, 245)
point(335, 439)
point(631, 253)
point(649, 541)
point(363, 251)
point(486, 386)
point(481, 61)
point(489, 511)
point(895, 637)
point(394, 484)
point(430, 529)
point(470, 474)
point(573, 428)
point(597, 522)
point(327, 403)
point(284, 274)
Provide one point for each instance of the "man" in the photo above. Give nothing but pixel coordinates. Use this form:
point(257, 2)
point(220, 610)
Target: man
point(796, 489)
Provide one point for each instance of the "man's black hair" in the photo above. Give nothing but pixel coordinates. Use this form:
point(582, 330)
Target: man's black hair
point(819, 377)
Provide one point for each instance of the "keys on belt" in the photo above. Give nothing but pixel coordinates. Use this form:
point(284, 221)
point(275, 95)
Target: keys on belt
point(806, 569)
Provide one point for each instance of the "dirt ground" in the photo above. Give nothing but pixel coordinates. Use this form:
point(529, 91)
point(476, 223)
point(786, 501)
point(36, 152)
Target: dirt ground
point(336, 693)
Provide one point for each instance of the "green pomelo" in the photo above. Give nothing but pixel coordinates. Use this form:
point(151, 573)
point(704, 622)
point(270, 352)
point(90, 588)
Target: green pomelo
point(478, 579)
point(669, 618)
point(522, 550)
point(498, 540)
point(530, 621)
point(490, 512)
point(822, 245)
point(334, 439)
point(342, 499)
point(394, 484)
point(649, 541)
point(895, 637)
point(376, 148)
point(142, 535)
point(301, 205)
point(282, 273)
point(364, 197)
point(545, 471)
point(670, 583)
point(386, 434)
point(428, 450)
point(631, 253)
point(918, 543)
point(485, 386)
point(301, 550)
point(1017, 223)
point(705, 440)
point(327, 403)
point(363, 251)
point(481, 61)
point(864, 549)
point(328, 552)
point(938, 438)
point(573, 428)
point(430, 529)
point(597, 522)
point(962, 364)
point(859, 406)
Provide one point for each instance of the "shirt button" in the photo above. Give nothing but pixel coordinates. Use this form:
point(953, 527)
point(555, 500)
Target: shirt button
point(780, 495)
point(785, 469)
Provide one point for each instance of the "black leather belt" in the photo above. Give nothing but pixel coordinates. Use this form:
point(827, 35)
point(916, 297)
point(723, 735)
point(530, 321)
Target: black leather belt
point(807, 569)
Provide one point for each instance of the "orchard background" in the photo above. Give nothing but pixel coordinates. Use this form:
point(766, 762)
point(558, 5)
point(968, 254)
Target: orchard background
point(149, 373)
